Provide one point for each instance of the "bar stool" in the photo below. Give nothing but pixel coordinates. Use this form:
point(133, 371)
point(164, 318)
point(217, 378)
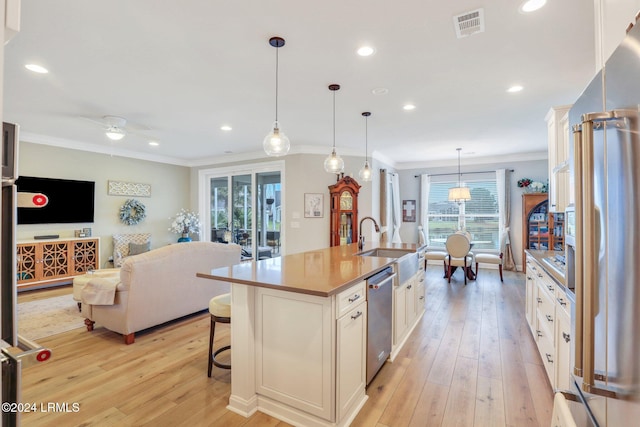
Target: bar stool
point(220, 310)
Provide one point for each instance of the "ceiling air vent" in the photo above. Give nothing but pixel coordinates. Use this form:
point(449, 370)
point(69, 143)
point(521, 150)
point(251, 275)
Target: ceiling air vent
point(469, 23)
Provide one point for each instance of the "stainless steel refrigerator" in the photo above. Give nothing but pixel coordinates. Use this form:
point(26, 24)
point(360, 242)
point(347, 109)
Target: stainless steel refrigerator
point(606, 175)
point(16, 352)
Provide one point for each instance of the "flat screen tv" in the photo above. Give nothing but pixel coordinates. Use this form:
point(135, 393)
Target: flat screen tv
point(69, 201)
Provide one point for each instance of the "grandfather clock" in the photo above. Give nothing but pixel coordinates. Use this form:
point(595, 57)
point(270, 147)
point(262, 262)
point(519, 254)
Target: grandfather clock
point(344, 211)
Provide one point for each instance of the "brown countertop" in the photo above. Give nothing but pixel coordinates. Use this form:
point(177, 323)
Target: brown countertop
point(322, 272)
point(539, 256)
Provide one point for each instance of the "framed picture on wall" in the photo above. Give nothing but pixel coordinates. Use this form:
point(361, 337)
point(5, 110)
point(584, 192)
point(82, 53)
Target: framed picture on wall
point(313, 205)
point(409, 211)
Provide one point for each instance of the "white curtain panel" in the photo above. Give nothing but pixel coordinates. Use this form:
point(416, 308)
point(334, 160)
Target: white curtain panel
point(425, 188)
point(502, 228)
point(397, 207)
point(504, 204)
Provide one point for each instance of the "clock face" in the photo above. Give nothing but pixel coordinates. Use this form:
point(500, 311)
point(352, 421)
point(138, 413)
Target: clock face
point(346, 201)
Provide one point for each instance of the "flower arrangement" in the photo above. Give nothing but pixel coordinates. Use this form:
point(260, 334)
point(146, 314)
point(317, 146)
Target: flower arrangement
point(532, 186)
point(524, 182)
point(185, 222)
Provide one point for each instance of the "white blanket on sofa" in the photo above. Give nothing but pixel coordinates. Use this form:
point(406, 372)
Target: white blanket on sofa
point(100, 291)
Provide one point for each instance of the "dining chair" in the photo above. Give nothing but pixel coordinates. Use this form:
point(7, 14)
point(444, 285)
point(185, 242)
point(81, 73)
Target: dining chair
point(458, 246)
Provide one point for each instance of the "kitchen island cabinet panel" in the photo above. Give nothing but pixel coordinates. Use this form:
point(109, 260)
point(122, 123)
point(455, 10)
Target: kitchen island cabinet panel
point(294, 357)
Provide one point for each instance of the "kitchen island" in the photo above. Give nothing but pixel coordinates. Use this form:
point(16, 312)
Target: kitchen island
point(298, 333)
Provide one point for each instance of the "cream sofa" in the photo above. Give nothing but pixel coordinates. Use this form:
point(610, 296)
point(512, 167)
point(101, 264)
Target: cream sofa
point(158, 286)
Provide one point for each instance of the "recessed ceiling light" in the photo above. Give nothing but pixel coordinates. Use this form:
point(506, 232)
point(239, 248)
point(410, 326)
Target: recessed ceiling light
point(154, 143)
point(409, 107)
point(532, 5)
point(380, 91)
point(515, 88)
point(226, 127)
point(36, 68)
point(366, 51)
point(228, 151)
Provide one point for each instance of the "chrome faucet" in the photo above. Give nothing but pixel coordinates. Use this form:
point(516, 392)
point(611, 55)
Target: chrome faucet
point(360, 236)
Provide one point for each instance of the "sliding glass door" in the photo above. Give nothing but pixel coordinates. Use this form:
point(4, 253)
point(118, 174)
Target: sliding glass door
point(244, 207)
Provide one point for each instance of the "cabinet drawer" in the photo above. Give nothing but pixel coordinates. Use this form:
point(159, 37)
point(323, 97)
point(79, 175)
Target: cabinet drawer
point(349, 298)
point(562, 302)
point(547, 354)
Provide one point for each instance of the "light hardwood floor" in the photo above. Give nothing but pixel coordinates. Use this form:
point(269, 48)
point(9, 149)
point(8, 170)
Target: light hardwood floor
point(471, 361)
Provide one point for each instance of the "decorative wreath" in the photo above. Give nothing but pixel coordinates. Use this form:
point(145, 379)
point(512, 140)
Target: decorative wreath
point(132, 212)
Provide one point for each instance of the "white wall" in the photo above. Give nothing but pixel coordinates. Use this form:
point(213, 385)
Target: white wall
point(169, 192)
point(534, 169)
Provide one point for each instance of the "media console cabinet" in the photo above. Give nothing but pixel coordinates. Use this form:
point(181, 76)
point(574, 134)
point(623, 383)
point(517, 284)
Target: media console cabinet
point(55, 261)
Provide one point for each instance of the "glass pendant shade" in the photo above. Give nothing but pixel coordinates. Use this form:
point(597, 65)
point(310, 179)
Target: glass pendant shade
point(458, 194)
point(365, 172)
point(276, 143)
point(333, 163)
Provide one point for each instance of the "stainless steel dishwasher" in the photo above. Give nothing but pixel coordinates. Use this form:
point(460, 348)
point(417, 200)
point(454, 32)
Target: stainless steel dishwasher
point(379, 327)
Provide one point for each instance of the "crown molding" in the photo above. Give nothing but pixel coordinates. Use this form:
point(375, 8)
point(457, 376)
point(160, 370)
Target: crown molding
point(95, 148)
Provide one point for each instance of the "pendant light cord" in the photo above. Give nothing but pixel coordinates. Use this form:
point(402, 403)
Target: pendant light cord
point(459, 174)
point(277, 48)
point(334, 120)
point(366, 137)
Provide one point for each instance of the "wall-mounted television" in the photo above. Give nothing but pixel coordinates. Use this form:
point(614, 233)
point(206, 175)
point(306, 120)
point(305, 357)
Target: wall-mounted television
point(69, 200)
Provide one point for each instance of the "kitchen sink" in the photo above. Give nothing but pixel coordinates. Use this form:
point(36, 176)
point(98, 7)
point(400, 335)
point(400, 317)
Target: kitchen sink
point(406, 261)
point(386, 252)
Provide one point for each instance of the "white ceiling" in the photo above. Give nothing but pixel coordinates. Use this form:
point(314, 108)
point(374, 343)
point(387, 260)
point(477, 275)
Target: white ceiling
point(182, 69)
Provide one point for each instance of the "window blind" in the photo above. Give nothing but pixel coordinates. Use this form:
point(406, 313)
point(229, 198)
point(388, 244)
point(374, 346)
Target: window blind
point(479, 216)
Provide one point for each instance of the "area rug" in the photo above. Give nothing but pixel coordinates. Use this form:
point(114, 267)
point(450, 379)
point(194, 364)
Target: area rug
point(50, 316)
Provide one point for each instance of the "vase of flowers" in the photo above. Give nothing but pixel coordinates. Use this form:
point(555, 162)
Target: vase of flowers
point(185, 223)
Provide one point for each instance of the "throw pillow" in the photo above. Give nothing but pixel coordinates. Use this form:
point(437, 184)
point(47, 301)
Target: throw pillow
point(139, 248)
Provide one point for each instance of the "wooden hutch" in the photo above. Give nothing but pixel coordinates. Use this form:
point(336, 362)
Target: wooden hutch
point(541, 229)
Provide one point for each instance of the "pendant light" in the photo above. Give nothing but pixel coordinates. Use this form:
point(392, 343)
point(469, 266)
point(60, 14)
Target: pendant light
point(276, 142)
point(334, 163)
point(365, 172)
point(459, 193)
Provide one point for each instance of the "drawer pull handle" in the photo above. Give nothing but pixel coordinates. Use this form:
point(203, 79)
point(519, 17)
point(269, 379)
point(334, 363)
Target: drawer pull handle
point(538, 333)
point(539, 275)
point(421, 298)
point(550, 288)
point(549, 318)
point(355, 298)
point(549, 358)
point(355, 316)
point(566, 337)
point(562, 301)
point(409, 286)
point(539, 300)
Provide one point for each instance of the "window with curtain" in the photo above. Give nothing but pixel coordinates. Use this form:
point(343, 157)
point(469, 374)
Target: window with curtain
point(479, 216)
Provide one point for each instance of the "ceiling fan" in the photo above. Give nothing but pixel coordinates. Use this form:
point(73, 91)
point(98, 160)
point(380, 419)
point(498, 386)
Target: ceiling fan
point(115, 127)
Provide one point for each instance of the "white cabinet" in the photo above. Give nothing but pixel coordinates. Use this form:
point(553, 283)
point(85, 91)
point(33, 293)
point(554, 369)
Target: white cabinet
point(408, 307)
point(351, 357)
point(530, 303)
point(11, 19)
point(611, 19)
point(558, 151)
point(310, 353)
point(549, 317)
point(399, 313)
point(563, 340)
